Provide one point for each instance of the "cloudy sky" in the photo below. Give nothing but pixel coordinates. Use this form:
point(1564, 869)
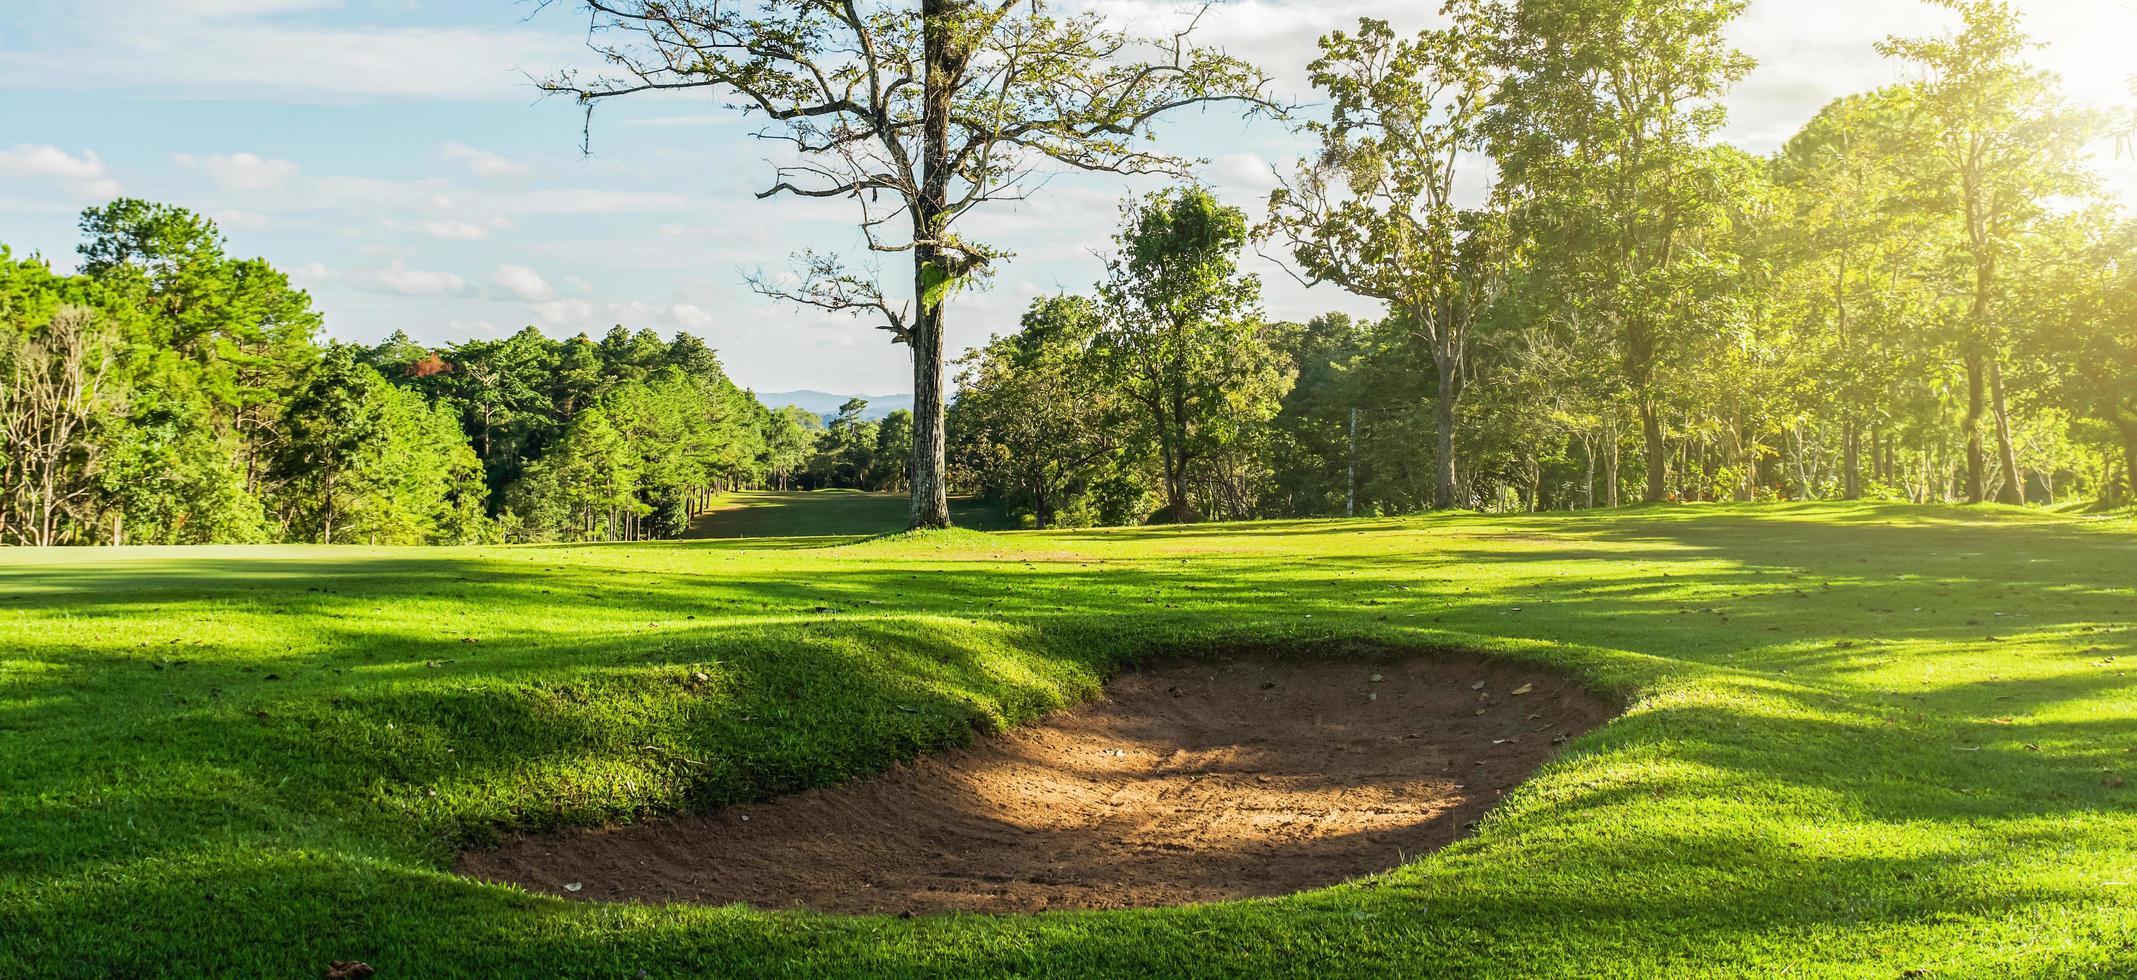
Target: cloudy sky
point(394, 157)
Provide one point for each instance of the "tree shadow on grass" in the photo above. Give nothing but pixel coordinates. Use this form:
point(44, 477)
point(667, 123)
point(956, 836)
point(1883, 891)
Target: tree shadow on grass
point(1771, 663)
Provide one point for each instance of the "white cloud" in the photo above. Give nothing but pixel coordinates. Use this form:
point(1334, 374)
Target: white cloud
point(1245, 179)
point(519, 282)
point(701, 119)
point(239, 171)
point(479, 328)
point(79, 176)
point(485, 164)
point(638, 313)
point(565, 201)
point(692, 316)
point(563, 313)
point(241, 47)
point(234, 219)
point(254, 8)
point(453, 231)
point(400, 280)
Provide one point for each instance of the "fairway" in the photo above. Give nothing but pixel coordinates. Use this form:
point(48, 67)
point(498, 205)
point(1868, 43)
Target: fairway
point(1859, 741)
point(805, 513)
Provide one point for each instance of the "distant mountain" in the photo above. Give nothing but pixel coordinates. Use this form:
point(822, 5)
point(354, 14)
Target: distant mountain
point(826, 403)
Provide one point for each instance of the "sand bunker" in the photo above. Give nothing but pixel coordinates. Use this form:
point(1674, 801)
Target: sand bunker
point(1190, 782)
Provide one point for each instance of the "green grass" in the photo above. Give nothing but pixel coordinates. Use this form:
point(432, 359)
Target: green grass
point(1860, 741)
point(847, 513)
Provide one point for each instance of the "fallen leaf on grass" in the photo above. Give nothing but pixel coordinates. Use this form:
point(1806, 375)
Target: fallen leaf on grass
point(348, 970)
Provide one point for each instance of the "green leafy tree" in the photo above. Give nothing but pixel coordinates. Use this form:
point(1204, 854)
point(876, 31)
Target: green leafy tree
point(330, 424)
point(1182, 334)
point(891, 459)
point(1375, 211)
point(846, 453)
point(2081, 340)
point(1313, 458)
point(503, 389)
point(1855, 255)
point(166, 479)
point(2002, 144)
point(585, 488)
point(1034, 420)
point(233, 332)
point(790, 441)
point(417, 480)
point(1601, 131)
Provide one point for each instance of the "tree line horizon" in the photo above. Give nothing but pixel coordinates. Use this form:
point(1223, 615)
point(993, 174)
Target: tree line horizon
point(1924, 295)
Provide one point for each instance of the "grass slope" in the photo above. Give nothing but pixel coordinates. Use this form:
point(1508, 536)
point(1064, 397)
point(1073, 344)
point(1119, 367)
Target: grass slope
point(1861, 741)
point(817, 513)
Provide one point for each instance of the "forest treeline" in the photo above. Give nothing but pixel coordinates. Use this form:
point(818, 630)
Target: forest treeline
point(169, 393)
point(1924, 295)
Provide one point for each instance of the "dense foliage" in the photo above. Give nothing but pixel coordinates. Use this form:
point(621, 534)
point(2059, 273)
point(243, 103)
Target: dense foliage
point(172, 394)
point(1923, 295)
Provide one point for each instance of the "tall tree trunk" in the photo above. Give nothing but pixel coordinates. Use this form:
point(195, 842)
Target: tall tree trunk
point(1976, 490)
point(930, 476)
point(932, 270)
point(2013, 490)
point(2128, 427)
point(1588, 450)
point(1851, 468)
point(1657, 463)
point(1443, 463)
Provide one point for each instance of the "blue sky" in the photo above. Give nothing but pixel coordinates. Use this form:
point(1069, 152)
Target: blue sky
point(393, 156)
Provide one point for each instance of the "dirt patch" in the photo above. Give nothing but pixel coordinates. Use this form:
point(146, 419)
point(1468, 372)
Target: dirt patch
point(1188, 783)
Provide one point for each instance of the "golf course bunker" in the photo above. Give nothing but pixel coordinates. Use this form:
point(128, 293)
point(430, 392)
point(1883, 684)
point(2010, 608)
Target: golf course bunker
point(1188, 782)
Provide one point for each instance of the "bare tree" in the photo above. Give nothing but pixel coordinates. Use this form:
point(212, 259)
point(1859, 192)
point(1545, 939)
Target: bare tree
point(918, 117)
point(54, 377)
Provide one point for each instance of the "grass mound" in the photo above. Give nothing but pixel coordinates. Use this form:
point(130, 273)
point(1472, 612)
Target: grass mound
point(1861, 741)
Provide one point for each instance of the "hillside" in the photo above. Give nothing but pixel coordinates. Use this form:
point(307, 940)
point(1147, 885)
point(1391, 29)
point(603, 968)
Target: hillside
point(827, 404)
